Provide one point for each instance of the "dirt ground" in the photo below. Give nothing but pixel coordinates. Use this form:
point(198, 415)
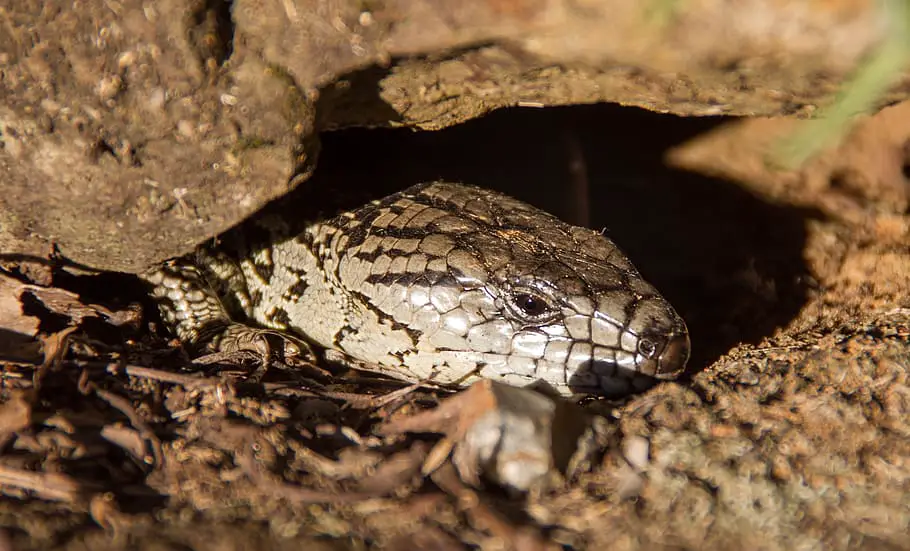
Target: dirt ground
point(791, 431)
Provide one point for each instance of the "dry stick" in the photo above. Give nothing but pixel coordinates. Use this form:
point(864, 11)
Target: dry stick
point(369, 401)
point(188, 381)
point(55, 347)
point(55, 486)
point(123, 406)
point(272, 488)
point(355, 400)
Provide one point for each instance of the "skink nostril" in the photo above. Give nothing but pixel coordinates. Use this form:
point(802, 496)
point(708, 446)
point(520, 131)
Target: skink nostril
point(648, 348)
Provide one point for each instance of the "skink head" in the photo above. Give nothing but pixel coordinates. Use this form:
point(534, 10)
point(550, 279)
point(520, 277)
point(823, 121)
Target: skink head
point(487, 286)
point(607, 330)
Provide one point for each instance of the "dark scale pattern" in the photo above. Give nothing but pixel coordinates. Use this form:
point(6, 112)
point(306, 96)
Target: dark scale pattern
point(451, 282)
point(279, 317)
point(264, 266)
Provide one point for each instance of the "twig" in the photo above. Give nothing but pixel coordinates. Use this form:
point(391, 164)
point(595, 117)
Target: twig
point(55, 486)
point(55, 347)
point(123, 406)
point(272, 488)
point(188, 381)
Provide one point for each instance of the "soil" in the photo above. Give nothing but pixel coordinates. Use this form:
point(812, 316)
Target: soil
point(790, 431)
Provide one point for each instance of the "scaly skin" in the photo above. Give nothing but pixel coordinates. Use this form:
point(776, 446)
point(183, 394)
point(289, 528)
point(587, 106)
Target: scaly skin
point(442, 282)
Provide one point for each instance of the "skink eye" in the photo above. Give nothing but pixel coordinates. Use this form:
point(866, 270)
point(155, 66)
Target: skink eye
point(531, 305)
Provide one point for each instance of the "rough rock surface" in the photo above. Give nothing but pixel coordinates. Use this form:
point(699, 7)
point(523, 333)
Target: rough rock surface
point(164, 123)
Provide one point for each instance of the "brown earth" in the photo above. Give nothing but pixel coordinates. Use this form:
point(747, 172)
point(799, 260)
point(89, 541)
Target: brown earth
point(792, 431)
point(131, 131)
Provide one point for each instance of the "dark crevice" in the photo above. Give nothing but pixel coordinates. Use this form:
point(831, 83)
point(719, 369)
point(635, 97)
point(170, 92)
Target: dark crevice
point(905, 168)
point(49, 322)
point(730, 262)
point(213, 31)
point(354, 99)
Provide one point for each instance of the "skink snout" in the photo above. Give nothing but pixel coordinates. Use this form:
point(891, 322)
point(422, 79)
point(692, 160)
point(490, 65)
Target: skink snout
point(663, 357)
point(673, 358)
